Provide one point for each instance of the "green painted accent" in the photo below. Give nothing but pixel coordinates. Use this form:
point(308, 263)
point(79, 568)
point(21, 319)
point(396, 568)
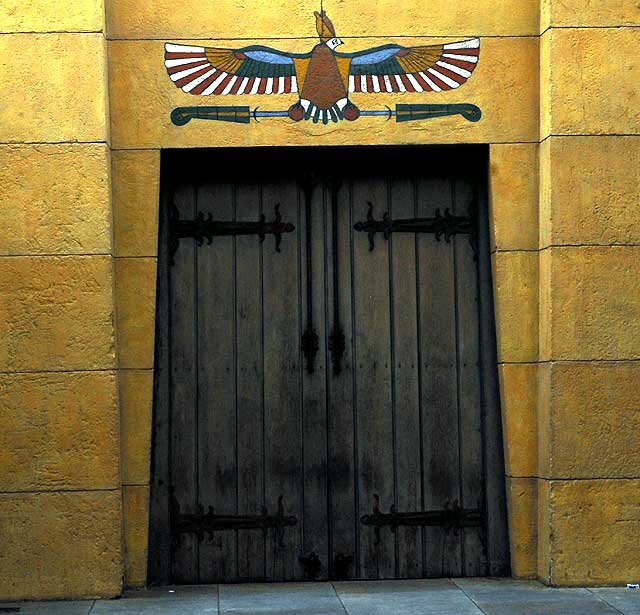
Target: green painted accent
point(390, 66)
point(254, 68)
point(403, 112)
point(409, 113)
point(238, 115)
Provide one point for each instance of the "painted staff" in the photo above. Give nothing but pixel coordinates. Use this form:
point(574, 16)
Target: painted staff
point(403, 113)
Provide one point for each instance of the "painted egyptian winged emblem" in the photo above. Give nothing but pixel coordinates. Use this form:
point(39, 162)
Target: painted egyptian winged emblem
point(323, 77)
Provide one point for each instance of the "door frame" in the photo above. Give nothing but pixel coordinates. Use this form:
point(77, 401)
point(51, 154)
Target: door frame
point(188, 165)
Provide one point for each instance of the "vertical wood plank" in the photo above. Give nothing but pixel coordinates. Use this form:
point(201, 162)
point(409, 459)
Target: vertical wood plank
point(282, 383)
point(345, 523)
point(249, 370)
point(468, 368)
point(406, 374)
point(159, 560)
point(184, 461)
point(373, 377)
point(436, 290)
point(216, 446)
point(413, 417)
point(495, 497)
point(314, 402)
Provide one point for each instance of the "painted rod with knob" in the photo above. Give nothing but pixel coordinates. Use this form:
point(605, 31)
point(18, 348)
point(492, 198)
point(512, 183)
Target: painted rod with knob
point(402, 112)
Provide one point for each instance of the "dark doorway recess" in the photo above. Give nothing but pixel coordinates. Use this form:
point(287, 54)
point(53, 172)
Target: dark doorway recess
point(325, 399)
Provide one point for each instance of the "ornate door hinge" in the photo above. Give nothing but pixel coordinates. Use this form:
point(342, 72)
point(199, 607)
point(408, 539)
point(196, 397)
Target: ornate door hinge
point(451, 517)
point(202, 523)
point(441, 226)
point(203, 228)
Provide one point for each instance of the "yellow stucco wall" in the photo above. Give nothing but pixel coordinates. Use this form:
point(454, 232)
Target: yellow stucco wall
point(60, 487)
point(589, 301)
point(558, 86)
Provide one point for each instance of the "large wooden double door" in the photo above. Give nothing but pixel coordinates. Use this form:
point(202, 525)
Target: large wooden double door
point(325, 389)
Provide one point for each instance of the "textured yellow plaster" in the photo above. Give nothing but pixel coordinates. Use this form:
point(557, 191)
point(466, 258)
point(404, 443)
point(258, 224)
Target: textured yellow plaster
point(231, 19)
point(545, 91)
point(591, 191)
point(514, 196)
point(545, 305)
point(143, 96)
point(54, 199)
point(592, 12)
point(593, 532)
point(59, 430)
point(544, 531)
point(515, 280)
point(592, 410)
point(136, 392)
point(56, 313)
point(590, 307)
point(60, 545)
point(545, 14)
point(54, 88)
point(518, 394)
point(51, 16)
point(136, 532)
point(544, 412)
point(135, 309)
point(522, 500)
point(136, 182)
point(544, 191)
point(594, 81)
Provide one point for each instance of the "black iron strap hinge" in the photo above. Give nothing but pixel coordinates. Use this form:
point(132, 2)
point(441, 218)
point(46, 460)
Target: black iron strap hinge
point(440, 225)
point(451, 517)
point(203, 228)
point(202, 523)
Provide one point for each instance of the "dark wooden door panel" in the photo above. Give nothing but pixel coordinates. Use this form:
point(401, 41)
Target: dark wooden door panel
point(374, 408)
point(249, 352)
point(344, 534)
point(283, 446)
point(395, 413)
point(183, 393)
point(313, 268)
point(438, 379)
point(216, 383)
point(468, 374)
point(405, 338)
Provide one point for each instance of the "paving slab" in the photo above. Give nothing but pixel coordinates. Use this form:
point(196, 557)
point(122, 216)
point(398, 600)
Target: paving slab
point(420, 597)
point(424, 597)
point(279, 599)
point(178, 600)
point(67, 607)
point(510, 597)
point(625, 600)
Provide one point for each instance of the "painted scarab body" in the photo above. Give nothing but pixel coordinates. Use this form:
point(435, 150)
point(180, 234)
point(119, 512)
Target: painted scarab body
point(323, 77)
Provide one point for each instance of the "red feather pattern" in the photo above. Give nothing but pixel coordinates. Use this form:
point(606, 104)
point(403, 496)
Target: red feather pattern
point(191, 70)
point(453, 68)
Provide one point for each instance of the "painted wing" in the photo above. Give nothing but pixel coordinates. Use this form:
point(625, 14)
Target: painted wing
point(430, 68)
point(212, 70)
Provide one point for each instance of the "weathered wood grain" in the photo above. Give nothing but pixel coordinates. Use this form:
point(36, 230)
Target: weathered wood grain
point(216, 393)
point(412, 420)
point(373, 381)
point(250, 380)
point(184, 387)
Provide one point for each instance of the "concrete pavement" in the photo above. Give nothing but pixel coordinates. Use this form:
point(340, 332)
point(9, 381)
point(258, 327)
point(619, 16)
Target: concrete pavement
point(425, 597)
